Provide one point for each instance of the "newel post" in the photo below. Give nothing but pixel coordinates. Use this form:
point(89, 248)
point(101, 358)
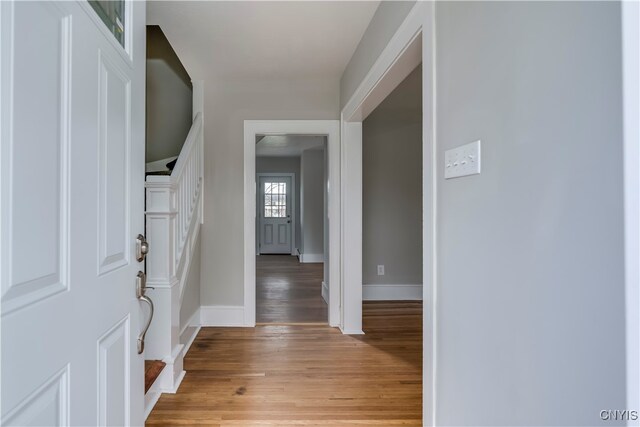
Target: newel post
point(163, 338)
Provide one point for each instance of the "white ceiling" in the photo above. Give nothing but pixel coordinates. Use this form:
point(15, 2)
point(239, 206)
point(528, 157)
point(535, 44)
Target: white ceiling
point(263, 39)
point(287, 145)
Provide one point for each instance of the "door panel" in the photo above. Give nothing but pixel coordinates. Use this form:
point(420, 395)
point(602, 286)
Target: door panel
point(113, 375)
point(275, 214)
point(114, 118)
point(38, 209)
point(71, 182)
point(283, 234)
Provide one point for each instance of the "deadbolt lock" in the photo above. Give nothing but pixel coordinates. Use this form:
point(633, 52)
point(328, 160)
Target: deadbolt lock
point(142, 248)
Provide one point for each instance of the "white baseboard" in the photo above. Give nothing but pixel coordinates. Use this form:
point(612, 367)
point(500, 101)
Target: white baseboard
point(150, 400)
point(194, 320)
point(352, 332)
point(177, 383)
point(221, 315)
point(325, 292)
point(311, 257)
point(188, 336)
point(391, 292)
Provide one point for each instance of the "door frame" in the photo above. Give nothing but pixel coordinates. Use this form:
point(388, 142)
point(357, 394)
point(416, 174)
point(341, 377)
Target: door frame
point(293, 207)
point(412, 43)
point(330, 129)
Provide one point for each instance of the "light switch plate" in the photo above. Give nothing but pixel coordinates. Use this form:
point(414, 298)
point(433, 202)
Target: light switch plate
point(462, 161)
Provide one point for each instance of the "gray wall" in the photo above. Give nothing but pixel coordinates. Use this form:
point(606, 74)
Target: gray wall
point(169, 98)
point(530, 307)
point(392, 186)
point(227, 105)
point(383, 25)
point(284, 165)
point(191, 298)
point(313, 178)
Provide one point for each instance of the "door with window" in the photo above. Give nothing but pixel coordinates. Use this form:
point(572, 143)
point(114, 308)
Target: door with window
point(275, 216)
point(72, 84)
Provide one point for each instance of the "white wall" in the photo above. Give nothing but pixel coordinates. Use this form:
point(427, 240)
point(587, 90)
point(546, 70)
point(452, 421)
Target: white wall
point(191, 297)
point(284, 165)
point(313, 203)
point(169, 98)
point(227, 105)
point(392, 187)
point(389, 15)
point(530, 307)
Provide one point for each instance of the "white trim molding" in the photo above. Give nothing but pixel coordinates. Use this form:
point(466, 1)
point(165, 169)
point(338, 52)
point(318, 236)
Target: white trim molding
point(190, 330)
point(188, 336)
point(222, 315)
point(398, 292)
point(311, 258)
point(329, 128)
point(325, 292)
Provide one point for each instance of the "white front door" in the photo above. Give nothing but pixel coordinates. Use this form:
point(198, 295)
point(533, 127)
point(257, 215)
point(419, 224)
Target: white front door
point(275, 209)
point(72, 176)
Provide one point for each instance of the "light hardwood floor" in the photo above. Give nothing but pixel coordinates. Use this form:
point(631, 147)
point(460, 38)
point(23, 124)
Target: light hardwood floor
point(289, 292)
point(304, 375)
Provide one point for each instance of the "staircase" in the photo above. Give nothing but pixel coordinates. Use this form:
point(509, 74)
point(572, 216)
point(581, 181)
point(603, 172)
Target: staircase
point(174, 213)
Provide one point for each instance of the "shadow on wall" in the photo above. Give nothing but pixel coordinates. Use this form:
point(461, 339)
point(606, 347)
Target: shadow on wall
point(169, 99)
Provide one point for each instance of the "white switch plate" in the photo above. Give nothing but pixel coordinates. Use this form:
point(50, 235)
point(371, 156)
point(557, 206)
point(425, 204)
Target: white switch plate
point(381, 270)
point(462, 161)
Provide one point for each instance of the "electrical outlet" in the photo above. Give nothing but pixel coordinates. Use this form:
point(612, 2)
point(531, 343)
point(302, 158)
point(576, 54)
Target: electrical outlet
point(381, 270)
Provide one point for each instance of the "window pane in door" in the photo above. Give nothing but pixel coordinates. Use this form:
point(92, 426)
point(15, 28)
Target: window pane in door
point(275, 200)
point(112, 14)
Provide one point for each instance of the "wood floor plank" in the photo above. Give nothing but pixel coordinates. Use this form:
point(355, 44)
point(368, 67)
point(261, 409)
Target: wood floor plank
point(309, 375)
point(288, 291)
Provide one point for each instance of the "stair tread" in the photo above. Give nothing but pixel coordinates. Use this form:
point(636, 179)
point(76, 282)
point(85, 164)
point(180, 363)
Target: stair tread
point(152, 370)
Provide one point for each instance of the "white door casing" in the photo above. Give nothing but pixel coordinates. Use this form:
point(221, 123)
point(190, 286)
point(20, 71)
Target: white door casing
point(275, 213)
point(331, 129)
point(72, 175)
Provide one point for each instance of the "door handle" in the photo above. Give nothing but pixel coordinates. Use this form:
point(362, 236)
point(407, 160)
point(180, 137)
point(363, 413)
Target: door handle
point(141, 289)
point(142, 247)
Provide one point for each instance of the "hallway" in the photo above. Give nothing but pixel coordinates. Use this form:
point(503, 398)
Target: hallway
point(288, 291)
point(304, 375)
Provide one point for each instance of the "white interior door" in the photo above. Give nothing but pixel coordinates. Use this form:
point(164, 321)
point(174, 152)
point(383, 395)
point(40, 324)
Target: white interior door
point(275, 222)
point(72, 172)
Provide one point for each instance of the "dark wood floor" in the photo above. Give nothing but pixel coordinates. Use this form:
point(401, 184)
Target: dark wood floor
point(289, 292)
point(303, 375)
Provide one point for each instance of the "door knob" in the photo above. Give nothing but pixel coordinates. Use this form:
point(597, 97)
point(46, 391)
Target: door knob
point(141, 287)
point(142, 248)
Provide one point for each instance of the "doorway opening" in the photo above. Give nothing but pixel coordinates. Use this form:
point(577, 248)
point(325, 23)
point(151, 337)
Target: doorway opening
point(292, 222)
point(392, 218)
point(291, 217)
